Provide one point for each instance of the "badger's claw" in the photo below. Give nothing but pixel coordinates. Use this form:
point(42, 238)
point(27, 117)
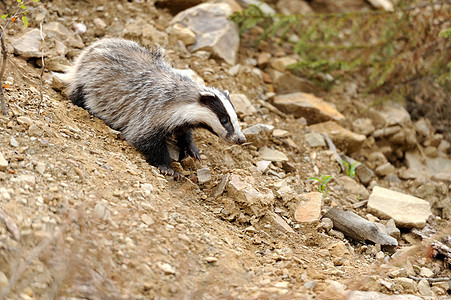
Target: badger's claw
point(169, 171)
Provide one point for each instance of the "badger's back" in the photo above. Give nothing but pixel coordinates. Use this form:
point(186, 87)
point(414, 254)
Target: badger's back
point(128, 86)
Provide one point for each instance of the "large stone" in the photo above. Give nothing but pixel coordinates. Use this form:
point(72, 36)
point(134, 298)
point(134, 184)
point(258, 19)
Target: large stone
point(272, 154)
point(242, 105)
point(344, 139)
point(407, 211)
point(28, 44)
point(245, 192)
point(285, 83)
point(389, 115)
point(353, 187)
point(313, 109)
point(314, 139)
point(59, 32)
point(310, 210)
point(438, 167)
point(281, 63)
point(214, 31)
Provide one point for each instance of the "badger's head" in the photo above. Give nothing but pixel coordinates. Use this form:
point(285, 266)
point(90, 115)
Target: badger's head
point(221, 118)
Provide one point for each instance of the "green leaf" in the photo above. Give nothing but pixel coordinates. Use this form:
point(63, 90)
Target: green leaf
point(445, 33)
point(36, 1)
point(4, 17)
point(23, 7)
point(25, 21)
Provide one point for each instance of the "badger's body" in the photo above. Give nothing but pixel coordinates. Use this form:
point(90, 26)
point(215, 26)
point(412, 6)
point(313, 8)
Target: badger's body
point(135, 91)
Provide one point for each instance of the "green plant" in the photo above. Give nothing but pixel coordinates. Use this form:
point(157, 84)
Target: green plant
point(350, 169)
point(388, 49)
point(20, 12)
point(322, 188)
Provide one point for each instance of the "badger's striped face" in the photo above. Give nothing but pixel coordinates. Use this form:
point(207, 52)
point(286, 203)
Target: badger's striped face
point(222, 119)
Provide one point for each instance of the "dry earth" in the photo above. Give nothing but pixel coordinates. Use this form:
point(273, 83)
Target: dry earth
point(97, 222)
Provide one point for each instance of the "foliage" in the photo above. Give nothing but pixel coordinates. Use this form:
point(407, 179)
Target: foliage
point(20, 12)
point(322, 188)
point(350, 169)
point(388, 48)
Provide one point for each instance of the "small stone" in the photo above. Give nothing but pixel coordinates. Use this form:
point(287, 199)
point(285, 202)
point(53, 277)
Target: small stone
point(263, 165)
point(343, 138)
point(314, 139)
point(309, 211)
point(34, 130)
point(28, 44)
point(425, 272)
point(280, 63)
point(183, 34)
point(25, 121)
point(360, 295)
point(167, 268)
point(337, 234)
point(263, 59)
point(385, 169)
point(3, 162)
point(353, 187)
point(13, 142)
point(203, 175)
point(334, 291)
point(222, 185)
point(407, 211)
point(147, 189)
point(326, 224)
point(99, 23)
point(280, 133)
point(380, 256)
point(147, 219)
point(431, 151)
point(243, 106)
point(101, 211)
point(4, 282)
point(392, 230)
point(258, 134)
point(408, 285)
point(363, 126)
point(425, 289)
point(211, 259)
point(310, 285)
point(272, 154)
point(338, 249)
point(40, 167)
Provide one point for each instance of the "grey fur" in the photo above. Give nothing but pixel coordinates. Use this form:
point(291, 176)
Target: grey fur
point(133, 89)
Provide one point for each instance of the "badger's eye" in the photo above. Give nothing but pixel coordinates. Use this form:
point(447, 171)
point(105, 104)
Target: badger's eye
point(224, 121)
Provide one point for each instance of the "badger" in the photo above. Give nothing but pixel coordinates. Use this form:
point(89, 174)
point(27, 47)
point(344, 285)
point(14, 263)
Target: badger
point(134, 90)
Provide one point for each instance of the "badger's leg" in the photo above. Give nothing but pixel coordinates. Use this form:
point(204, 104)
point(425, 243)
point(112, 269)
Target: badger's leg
point(186, 145)
point(156, 153)
point(78, 96)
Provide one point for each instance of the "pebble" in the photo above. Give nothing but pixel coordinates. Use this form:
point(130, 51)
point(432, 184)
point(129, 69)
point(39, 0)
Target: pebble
point(4, 283)
point(314, 139)
point(380, 256)
point(101, 211)
point(166, 268)
point(3, 162)
point(203, 175)
point(425, 289)
point(211, 259)
point(326, 224)
point(272, 154)
point(385, 169)
point(34, 130)
point(425, 272)
point(13, 142)
point(263, 165)
point(309, 211)
point(40, 167)
point(147, 219)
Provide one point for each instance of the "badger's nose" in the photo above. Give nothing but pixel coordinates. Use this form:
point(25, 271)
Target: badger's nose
point(241, 139)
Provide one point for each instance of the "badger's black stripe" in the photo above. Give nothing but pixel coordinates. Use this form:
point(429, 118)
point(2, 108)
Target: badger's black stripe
point(78, 96)
point(215, 105)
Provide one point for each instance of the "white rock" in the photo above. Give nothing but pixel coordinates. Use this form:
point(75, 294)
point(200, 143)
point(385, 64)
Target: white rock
point(360, 295)
point(40, 167)
point(28, 44)
point(425, 272)
point(166, 268)
point(3, 162)
point(242, 105)
point(147, 219)
point(272, 154)
point(407, 211)
point(385, 4)
point(13, 142)
point(263, 165)
point(425, 289)
point(204, 175)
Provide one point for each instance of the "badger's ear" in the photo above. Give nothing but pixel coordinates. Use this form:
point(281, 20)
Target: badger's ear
point(206, 97)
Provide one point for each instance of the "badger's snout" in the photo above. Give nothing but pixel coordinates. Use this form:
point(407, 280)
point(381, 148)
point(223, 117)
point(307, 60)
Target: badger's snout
point(240, 139)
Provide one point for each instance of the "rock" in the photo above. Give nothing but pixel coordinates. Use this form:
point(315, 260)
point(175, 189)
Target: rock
point(310, 210)
point(314, 139)
point(407, 211)
point(408, 285)
point(272, 154)
point(180, 32)
point(364, 173)
point(326, 224)
point(293, 7)
point(280, 63)
point(431, 151)
point(384, 4)
point(286, 83)
point(79, 28)
point(40, 167)
point(439, 167)
point(29, 44)
point(425, 272)
point(60, 32)
point(221, 187)
point(258, 134)
point(101, 211)
point(353, 187)
point(334, 291)
point(4, 283)
point(263, 165)
point(213, 29)
point(265, 8)
point(380, 256)
point(167, 268)
point(386, 131)
point(392, 230)
point(338, 249)
point(385, 169)
point(425, 289)
point(211, 259)
point(145, 33)
point(360, 295)
point(3, 162)
point(244, 192)
point(147, 219)
point(280, 133)
point(344, 139)
point(263, 59)
point(13, 142)
point(204, 175)
point(279, 220)
point(25, 121)
point(363, 126)
point(423, 127)
point(389, 114)
point(176, 6)
point(242, 105)
point(34, 130)
point(313, 109)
